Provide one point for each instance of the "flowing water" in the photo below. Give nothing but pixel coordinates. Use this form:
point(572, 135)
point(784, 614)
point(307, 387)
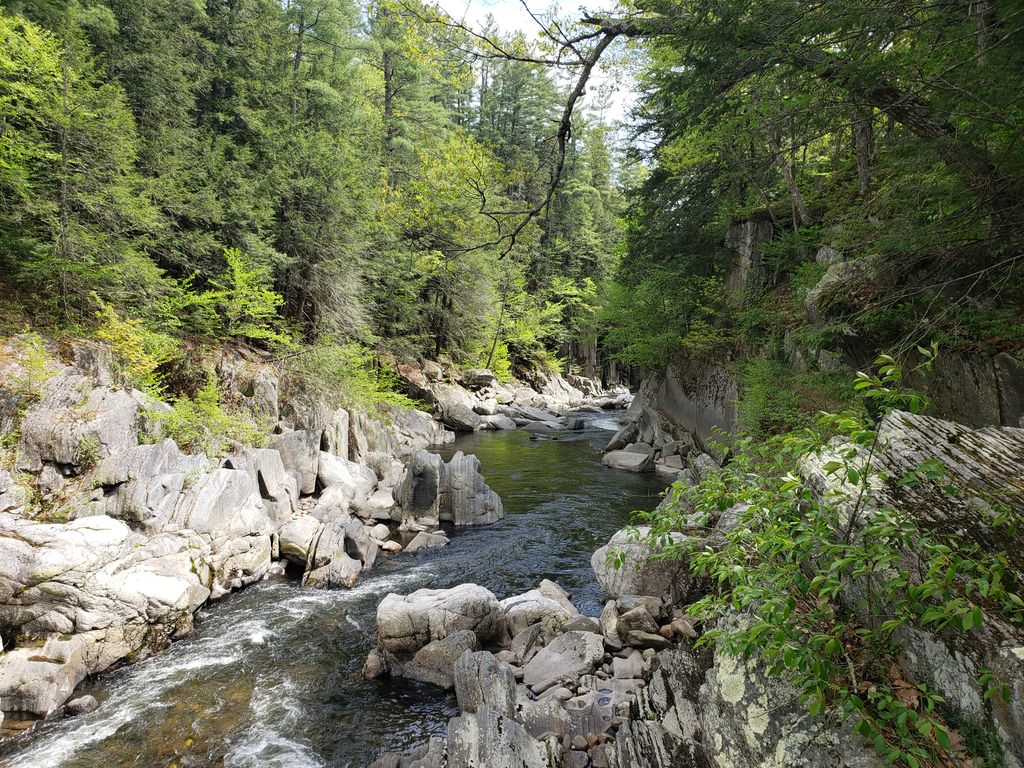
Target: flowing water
point(274, 676)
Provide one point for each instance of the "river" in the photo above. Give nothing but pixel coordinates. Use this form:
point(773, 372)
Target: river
point(273, 678)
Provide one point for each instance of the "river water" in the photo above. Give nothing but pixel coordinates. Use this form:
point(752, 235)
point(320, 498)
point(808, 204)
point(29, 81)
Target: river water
point(274, 676)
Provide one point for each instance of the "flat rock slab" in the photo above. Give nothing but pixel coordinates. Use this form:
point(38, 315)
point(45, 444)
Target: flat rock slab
point(628, 461)
point(572, 654)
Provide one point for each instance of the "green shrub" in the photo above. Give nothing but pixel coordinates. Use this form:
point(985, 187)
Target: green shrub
point(201, 423)
point(796, 555)
point(775, 399)
point(347, 374)
point(139, 352)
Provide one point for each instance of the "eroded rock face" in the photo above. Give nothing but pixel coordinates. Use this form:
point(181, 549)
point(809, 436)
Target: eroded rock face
point(110, 592)
point(406, 623)
point(74, 424)
point(466, 499)
point(455, 492)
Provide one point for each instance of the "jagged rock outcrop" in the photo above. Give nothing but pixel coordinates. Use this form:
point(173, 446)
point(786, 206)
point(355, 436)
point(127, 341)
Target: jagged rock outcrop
point(432, 491)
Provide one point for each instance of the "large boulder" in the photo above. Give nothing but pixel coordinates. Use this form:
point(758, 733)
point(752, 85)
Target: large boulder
point(341, 550)
point(549, 603)
point(629, 461)
point(406, 623)
point(466, 499)
point(359, 481)
point(296, 538)
point(570, 655)
point(624, 566)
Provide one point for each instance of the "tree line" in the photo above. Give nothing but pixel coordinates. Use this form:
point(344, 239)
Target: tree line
point(347, 171)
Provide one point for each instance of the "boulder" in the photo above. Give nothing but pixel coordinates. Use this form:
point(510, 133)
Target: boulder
point(339, 553)
point(830, 297)
point(426, 540)
point(434, 663)
point(83, 705)
point(548, 603)
point(570, 655)
point(358, 480)
point(627, 434)
point(300, 453)
point(628, 461)
point(406, 623)
point(466, 498)
point(143, 484)
point(637, 574)
point(497, 421)
point(479, 378)
point(454, 408)
point(296, 537)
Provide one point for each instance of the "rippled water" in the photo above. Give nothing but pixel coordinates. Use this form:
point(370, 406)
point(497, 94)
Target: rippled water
point(273, 678)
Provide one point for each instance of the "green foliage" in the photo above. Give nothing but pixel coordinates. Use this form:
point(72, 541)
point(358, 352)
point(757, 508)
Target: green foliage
point(822, 583)
point(202, 423)
point(139, 352)
point(246, 300)
point(775, 399)
point(348, 374)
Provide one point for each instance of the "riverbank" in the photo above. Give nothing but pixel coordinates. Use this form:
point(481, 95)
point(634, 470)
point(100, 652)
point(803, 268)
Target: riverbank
point(112, 536)
point(274, 674)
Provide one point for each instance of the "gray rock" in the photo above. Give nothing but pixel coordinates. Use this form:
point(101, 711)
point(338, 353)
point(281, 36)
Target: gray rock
point(426, 540)
point(277, 487)
point(87, 594)
point(839, 281)
point(639, 575)
point(341, 550)
point(572, 654)
point(334, 470)
point(419, 493)
point(406, 623)
point(335, 437)
point(466, 499)
point(582, 624)
point(434, 663)
point(630, 666)
point(547, 603)
point(75, 425)
point(498, 421)
point(628, 461)
point(83, 705)
point(300, 453)
point(296, 538)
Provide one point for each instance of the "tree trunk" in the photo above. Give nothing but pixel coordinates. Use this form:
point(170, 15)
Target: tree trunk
point(864, 147)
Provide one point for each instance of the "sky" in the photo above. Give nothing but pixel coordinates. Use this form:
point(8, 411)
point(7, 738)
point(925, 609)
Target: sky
point(512, 16)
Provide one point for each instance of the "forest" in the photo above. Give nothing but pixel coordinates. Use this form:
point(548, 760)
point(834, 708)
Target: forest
point(386, 179)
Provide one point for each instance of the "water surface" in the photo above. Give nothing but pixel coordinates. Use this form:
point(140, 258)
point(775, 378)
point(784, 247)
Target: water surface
point(274, 676)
